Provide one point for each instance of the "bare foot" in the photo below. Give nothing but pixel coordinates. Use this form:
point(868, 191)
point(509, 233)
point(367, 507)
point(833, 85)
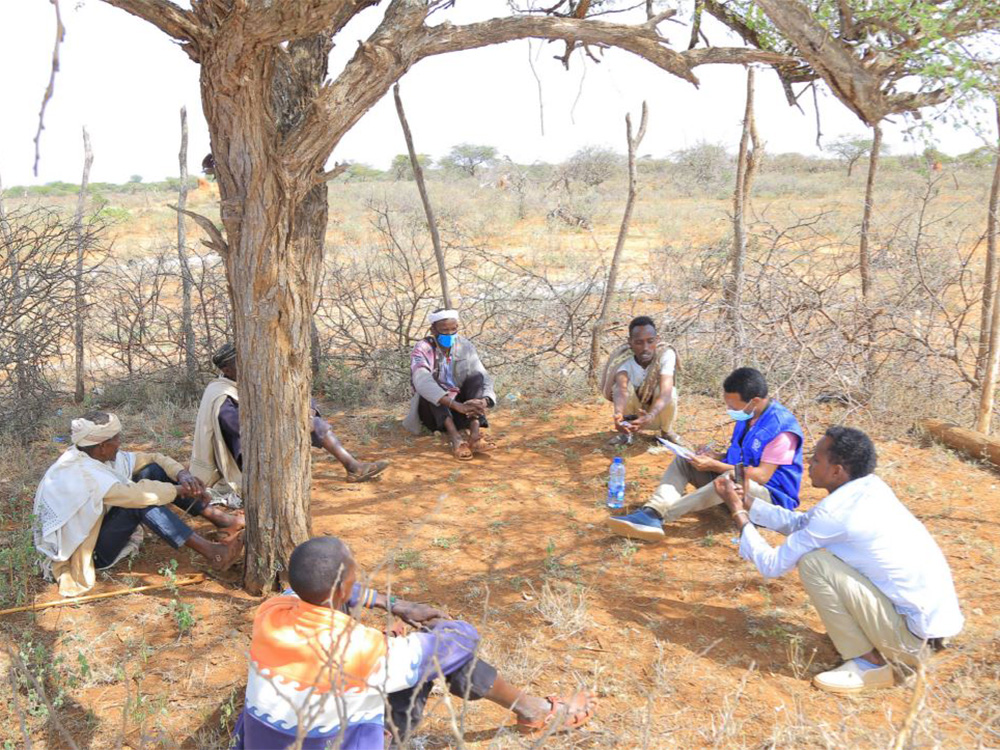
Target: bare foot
point(565, 713)
point(221, 519)
point(226, 554)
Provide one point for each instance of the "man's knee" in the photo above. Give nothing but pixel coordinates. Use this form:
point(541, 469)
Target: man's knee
point(813, 564)
point(154, 472)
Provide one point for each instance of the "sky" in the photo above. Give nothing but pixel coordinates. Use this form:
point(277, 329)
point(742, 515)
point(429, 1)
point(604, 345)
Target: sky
point(125, 81)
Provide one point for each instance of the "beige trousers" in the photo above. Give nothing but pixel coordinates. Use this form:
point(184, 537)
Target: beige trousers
point(670, 501)
point(662, 421)
point(858, 617)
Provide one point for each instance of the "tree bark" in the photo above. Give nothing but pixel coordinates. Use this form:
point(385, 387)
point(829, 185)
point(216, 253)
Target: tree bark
point(864, 261)
point(79, 303)
point(187, 323)
point(275, 230)
point(609, 287)
point(989, 282)
point(991, 367)
point(418, 176)
point(977, 445)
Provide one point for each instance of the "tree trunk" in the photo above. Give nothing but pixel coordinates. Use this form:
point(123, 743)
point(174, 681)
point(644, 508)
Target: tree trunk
point(977, 445)
point(991, 367)
point(275, 231)
point(79, 304)
point(418, 176)
point(989, 282)
point(187, 323)
point(864, 263)
point(744, 177)
point(609, 287)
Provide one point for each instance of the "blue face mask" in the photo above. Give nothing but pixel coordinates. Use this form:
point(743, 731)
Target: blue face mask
point(739, 415)
point(445, 340)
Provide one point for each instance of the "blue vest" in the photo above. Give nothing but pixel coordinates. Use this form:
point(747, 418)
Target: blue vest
point(784, 484)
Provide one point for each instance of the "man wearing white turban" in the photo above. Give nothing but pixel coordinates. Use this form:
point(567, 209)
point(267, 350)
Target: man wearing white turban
point(92, 500)
point(452, 389)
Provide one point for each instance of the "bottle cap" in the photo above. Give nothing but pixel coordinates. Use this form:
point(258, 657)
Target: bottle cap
point(618, 460)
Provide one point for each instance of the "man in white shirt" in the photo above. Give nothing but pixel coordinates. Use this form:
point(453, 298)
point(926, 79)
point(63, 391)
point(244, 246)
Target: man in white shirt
point(643, 393)
point(875, 575)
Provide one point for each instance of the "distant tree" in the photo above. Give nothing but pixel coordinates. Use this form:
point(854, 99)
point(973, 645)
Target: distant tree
point(849, 149)
point(593, 165)
point(704, 166)
point(135, 179)
point(401, 168)
point(469, 158)
point(361, 172)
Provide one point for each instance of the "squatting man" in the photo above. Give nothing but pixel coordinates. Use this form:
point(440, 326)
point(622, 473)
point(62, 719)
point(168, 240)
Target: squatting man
point(873, 572)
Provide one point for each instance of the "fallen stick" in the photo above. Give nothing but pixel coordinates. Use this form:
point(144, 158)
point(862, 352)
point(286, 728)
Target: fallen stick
point(186, 581)
point(973, 444)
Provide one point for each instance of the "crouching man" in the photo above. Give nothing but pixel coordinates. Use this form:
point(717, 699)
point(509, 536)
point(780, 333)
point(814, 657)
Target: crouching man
point(875, 575)
point(318, 674)
point(92, 499)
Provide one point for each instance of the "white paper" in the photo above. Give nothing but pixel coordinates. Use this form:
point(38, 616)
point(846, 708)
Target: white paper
point(679, 450)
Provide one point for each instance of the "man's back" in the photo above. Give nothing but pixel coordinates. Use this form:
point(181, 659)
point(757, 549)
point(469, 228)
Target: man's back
point(865, 525)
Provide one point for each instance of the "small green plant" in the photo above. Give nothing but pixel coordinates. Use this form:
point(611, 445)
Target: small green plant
point(182, 612)
point(627, 549)
point(445, 542)
point(708, 540)
point(410, 559)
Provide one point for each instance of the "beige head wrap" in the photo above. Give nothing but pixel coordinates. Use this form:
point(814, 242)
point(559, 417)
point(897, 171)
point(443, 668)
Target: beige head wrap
point(86, 433)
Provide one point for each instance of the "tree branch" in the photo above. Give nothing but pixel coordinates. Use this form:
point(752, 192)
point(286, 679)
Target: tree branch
point(855, 82)
point(287, 21)
point(168, 18)
point(217, 241)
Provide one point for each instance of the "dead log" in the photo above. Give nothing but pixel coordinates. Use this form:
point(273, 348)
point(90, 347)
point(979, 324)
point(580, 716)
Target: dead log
point(971, 443)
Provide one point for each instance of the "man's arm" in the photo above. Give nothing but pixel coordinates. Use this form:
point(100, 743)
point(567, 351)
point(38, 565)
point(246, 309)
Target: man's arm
point(423, 380)
point(229, 424)
point(620, 396)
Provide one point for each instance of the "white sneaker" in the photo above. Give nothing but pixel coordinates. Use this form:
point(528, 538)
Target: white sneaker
point(850, 678)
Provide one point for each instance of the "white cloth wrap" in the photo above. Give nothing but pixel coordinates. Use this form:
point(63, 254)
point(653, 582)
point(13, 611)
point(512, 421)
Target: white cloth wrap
point(434, 317)
point(70, 499)
point(86, 433)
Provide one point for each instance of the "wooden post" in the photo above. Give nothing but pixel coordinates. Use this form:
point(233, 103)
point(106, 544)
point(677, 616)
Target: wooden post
point(78, 301)
point(418, 175)
point(977, 445)
point(609, 287)
point(864, 260)
point(986, 362)
point(745, 170)
point(187, 324)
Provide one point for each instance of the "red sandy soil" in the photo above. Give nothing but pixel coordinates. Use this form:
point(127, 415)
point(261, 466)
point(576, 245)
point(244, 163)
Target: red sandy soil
point(684, 642)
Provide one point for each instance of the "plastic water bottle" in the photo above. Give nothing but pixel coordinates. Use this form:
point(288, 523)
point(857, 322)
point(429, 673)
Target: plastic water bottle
point(616, 484)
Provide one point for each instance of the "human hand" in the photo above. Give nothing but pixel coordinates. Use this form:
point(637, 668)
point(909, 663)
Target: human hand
point(620, 424)
point(188, 485)
point(640, 421)
point(416, 615)
point(730, 492)
point(478, 406)
point(701, 462)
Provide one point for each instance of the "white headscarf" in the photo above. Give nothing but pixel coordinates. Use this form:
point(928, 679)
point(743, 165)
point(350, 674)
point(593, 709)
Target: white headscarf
point(85, 433)
point(434, 317)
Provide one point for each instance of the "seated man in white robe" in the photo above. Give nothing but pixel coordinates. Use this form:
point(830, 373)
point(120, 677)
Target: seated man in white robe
point(91, 501)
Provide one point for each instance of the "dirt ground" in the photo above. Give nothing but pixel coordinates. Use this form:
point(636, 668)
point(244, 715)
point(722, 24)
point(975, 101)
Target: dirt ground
point(686, 645)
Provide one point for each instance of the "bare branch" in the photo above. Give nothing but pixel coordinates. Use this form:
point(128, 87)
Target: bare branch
point(168, 18)
point(60, 35)
point(217, 241)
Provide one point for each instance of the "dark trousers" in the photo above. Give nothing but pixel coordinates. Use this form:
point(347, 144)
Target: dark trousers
point(433, 416)
point(119, 523)
point(473, 680)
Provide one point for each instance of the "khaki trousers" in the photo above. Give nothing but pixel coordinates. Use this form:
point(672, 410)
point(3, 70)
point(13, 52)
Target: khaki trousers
point(662, 421)
point(858, 617)
point(670, 501)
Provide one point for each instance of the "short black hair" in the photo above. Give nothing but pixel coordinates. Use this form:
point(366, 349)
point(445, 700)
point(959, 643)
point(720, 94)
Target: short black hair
point(316, 567)
point(852, 449)
point(747, 382)
point(642, 320)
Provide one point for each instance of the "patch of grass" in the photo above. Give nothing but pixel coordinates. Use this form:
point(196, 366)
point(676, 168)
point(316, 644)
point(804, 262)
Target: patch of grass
point(446, 542)
point(709, 540)
point(410, 559)
point(182, 612)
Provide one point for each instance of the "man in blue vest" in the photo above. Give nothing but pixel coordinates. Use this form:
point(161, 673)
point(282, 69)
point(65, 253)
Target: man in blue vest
point(767, 440)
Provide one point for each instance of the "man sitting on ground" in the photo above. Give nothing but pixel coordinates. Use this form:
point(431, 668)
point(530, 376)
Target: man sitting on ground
point(643, 390)
point(766, 439)
point(873, 572)
point(452, 389)
point(316, 671)
point(93, 498)
point(217, 455)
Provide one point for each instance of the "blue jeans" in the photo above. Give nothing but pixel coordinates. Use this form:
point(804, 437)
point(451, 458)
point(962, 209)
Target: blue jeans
point(119, 523)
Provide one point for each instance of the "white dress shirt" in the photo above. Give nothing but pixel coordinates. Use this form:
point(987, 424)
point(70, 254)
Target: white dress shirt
point(865, 525)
